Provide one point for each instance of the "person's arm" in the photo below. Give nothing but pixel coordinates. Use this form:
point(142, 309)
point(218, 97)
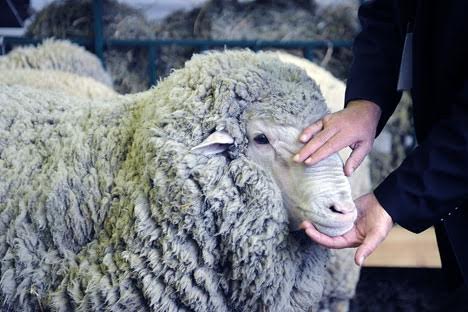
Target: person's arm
point(376, 59)
point(433, 180)
point(431, 183)
point(371, 91)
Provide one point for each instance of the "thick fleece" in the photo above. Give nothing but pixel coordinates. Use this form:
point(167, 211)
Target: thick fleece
point(57, 55)
point(104, 207)
point(67, 83)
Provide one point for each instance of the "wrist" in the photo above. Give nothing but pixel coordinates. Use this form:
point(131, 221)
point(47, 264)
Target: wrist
point(365, 105)
point(381, 210)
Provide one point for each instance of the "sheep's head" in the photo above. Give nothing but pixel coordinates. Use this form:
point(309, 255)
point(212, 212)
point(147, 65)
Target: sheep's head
point(278, 102)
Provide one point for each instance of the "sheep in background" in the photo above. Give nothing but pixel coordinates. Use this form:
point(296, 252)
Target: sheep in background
point(57, 55)
point(227, 19)
point(179, 198)
point(57, 80)
point(128, 66)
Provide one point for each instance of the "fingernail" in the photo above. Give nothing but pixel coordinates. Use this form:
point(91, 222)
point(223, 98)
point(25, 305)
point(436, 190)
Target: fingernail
point(308, 161)
point(361, 261)
point(303, 138)
point(296, 158)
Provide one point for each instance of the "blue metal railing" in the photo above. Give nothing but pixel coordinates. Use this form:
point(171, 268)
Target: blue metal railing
point(98, 43)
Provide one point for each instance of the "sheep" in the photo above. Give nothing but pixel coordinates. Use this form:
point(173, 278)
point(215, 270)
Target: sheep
point(183, 197)
point(68, 83)
point(57, 55)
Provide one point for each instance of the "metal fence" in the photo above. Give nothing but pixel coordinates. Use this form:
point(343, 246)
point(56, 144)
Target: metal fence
point(98, 43)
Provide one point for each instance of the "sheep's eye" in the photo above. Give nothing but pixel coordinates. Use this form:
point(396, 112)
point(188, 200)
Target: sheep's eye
point(261, 139)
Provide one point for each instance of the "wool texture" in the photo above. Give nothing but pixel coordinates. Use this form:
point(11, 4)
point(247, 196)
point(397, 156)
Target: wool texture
point(103, 205)
point(67, 83)
point(57, 55)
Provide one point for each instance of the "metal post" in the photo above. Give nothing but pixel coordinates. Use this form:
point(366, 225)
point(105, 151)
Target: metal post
point(308, 54)
point(98, 31)
point(257, 46)
point(153, 65)
point(2, 44)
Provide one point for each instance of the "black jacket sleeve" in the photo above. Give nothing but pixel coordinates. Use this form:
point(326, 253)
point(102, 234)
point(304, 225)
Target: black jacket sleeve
point(377, 55)
point(433, 180)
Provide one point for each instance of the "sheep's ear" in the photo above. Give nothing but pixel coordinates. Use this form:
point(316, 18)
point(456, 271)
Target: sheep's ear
point(215, 143)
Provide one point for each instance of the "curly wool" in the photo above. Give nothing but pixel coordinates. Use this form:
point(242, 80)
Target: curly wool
point(104, 206)
point(67, 83)
point(57, 55)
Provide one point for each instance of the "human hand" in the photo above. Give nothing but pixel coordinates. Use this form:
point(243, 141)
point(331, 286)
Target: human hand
point(371, 227)
point(354, 126)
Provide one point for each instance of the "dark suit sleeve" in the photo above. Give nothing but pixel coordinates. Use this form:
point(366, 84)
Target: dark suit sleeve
point(377, 54)
point(433, 180)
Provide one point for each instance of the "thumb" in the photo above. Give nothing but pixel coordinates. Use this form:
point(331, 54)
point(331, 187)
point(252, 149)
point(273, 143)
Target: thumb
point(367, 247)
point(355, 159)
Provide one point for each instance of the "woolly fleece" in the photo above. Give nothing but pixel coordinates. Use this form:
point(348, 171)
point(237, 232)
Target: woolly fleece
point(67, 83)
point(57, 55)
point(104, 207)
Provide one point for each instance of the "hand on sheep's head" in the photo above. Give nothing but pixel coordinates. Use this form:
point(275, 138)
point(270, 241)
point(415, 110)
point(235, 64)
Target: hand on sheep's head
point(370, 229)
point(355, 126)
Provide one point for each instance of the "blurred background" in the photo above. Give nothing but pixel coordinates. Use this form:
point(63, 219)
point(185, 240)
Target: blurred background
point(319, 30)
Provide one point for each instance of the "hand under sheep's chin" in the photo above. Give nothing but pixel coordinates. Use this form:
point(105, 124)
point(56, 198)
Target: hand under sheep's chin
point(332, 226)
point(330, 230)
point(333, 231)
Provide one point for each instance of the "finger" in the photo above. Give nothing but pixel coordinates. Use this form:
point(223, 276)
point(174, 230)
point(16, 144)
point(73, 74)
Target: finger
point(310, 131)
point(367, 247)
point(315, 143)
point(304, 225)
point(337, 242)
point(333, 145)
point(358, 154)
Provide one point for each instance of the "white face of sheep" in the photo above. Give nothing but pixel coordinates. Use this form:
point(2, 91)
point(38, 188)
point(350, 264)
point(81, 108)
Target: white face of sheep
point(320, 193)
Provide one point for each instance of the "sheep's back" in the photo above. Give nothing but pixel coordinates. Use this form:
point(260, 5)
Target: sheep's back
point(68, 83)
point(59, 55)
point(56, 162)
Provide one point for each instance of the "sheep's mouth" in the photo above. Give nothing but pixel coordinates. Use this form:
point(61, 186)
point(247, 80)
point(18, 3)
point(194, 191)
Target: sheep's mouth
point(337, 224)
point(334, 224)
point(334, 219)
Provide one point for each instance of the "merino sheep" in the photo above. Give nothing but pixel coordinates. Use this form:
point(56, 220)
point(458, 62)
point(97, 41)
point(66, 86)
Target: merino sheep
point(57, 80)
point(57, 55)
point(181, 198)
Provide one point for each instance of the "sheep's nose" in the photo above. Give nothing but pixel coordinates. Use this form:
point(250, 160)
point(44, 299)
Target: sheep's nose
point(342, 207)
